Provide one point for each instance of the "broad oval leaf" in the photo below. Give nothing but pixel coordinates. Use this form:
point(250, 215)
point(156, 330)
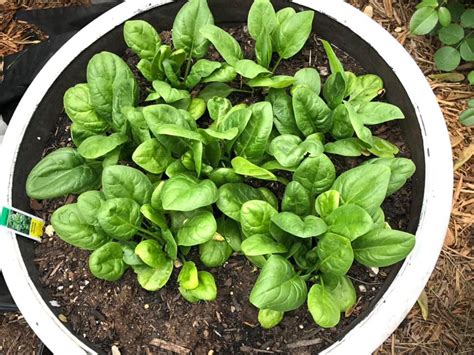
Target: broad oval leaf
point(366, 88)
point(335, 254)
point(105, 71)
point(356, 186)
point(152, 279)
point(323, 307)
point(106, 263)
point(311, 112)
point(185, 193)
point(225, 44)
point(383, 247)
point(142, 38)
point(307, 227)
point(197, 229)
point(309, 77)
point(200, 70)
point(278, 287)
point(423, 21)
point(194, 15)
point(97, 146)
point(252, 142)
point(316, 174)
point(89, 203)
point(188, 276)
point(255, 217)
point(243, 167)
point(261, 18)
point(150, 252)
point(78, 106)
point(290, 150)
point(283, 116)
point(350, 221)
point(296, 199)
point(214, 252)
point(70, 226)
point(261, 244)
point(60, 173)
point(124, 181)
point(249, 69)
point(342, 291)
point(152, 156)
point(293, 32)
point(120, 217)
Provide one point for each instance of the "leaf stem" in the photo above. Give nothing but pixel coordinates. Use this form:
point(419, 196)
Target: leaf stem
point(188, 67)
point(244, 91)
point(276, 64)
point(282, 180)
point(143, 230)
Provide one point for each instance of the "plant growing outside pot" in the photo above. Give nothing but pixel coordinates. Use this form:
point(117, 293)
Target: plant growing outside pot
point(157, 180)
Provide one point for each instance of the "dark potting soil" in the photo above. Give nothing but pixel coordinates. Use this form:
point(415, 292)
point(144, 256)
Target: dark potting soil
point(123, 314)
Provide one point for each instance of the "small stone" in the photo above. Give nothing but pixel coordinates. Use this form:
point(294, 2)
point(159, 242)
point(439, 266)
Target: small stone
point(86, 282)
point(54, 303)
point(60, 288)
point(375, 270)
point(205, 333)
point(373, 288)
point(146, 306)
point(232, 309)
point(301, 326)
point(231, 293)
point(63, 319)
point(210, 352)
point(178, 263)
point(38, 138)
point(398, 29)
point(362, 288)
point(323, 71)
point(115, 350)
point(49, 230)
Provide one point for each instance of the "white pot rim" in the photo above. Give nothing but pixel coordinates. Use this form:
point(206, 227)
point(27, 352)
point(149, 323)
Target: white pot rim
point(400, 296)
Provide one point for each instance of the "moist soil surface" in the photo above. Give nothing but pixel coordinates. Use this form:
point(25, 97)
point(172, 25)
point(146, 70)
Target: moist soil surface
point(121, 314)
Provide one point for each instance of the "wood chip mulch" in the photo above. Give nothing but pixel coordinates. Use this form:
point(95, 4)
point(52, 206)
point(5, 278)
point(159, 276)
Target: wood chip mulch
point(449, 327)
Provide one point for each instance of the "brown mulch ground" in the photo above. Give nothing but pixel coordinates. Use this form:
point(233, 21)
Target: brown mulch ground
point(449, 326)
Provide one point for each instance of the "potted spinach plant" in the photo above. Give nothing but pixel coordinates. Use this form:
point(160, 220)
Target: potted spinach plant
point(209, 148)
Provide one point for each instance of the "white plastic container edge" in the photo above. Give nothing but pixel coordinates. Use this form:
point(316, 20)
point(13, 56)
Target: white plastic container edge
point(397, 301)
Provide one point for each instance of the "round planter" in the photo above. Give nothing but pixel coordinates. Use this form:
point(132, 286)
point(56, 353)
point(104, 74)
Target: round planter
point(344, 26)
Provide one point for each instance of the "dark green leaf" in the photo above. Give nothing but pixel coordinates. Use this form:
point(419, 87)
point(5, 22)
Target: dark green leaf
point(70, 226)
point(383, 247)
point(316, 174)
point(278, 287)
point(365, 186)
point(185, 193)
point(193, 16)
point(124, 181)
point(307, 227)
point(225, 44)
point(120, 217)
point(60, 173)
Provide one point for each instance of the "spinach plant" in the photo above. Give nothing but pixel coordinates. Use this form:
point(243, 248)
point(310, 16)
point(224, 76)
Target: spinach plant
point(188, 178)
